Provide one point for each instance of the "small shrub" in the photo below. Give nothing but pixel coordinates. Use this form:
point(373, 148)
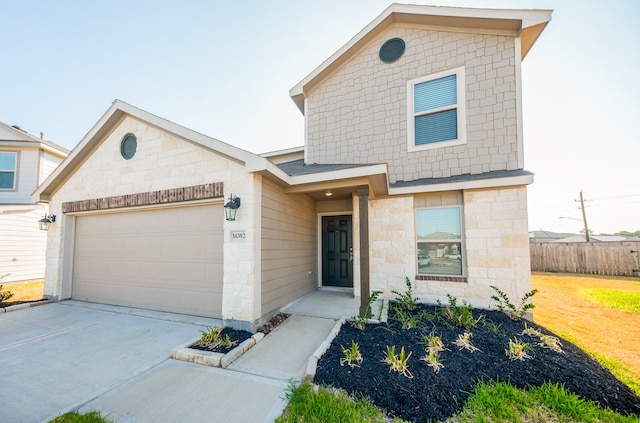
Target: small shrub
point(407, 320)
point(529, 331)
point(517, 350)
point(213, 338)
point(433, 360)
point(5, 295)
point(504, 304)
point(464, 342)
point(551, 342)
point(352, 355)
point(426, 317)
point(493, 327)
point(406, 299)
point(387, 326)
point(433, 343)
point(398, 362)
point(460, 316)
point(360, 322)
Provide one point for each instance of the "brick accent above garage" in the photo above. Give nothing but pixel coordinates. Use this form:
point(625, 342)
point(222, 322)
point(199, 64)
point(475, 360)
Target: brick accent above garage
point(164, 196)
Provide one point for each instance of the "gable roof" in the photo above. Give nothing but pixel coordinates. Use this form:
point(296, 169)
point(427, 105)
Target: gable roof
point(526, 24)
point(118, 111)
point(252, 163)
point(16, 137)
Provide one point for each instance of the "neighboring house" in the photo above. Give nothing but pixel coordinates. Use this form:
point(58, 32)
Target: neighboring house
point(412, 166)
point(593, 238)
point(25, 162)
point(548, 236)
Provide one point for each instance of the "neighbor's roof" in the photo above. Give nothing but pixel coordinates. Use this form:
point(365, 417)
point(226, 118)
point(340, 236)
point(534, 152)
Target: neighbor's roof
point(526, 24)
point(16, 137)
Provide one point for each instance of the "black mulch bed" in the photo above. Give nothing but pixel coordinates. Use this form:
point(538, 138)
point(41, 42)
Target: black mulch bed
point(439, 396)
point(242, 335)
point(236, 335)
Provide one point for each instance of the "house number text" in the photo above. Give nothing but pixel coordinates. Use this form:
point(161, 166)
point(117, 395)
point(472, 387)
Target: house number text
point(238, 236)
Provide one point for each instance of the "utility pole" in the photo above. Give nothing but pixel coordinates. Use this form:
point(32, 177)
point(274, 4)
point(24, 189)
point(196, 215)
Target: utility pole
point(584, 217)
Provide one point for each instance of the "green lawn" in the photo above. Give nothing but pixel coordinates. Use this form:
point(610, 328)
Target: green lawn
point(614, 298)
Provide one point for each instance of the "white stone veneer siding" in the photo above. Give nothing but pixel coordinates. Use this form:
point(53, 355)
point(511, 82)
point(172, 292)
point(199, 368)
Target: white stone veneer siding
point(162, 161)
point(495, 246)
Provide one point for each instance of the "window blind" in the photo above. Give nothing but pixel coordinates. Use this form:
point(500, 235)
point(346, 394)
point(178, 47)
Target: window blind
point(435, 127)
point(434, 94)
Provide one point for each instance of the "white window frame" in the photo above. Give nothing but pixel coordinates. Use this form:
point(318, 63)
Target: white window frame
point(463, 261)
point(460, 105)
point(15, 170)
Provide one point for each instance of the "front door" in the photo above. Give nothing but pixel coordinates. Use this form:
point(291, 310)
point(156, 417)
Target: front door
point(337, 251)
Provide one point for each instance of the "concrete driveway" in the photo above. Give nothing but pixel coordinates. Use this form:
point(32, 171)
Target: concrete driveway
point(75, 355)
point(57, 357)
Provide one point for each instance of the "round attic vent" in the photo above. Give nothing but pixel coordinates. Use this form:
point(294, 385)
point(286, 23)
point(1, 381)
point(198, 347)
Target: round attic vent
point(392, 50)
point(128, 146)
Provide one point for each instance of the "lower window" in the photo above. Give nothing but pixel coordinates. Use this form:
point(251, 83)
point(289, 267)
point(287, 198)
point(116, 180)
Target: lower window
point(439, 241)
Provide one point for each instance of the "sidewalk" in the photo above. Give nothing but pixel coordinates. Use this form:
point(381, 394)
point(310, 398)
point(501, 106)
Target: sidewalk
point(76, 355)
point(251, 389)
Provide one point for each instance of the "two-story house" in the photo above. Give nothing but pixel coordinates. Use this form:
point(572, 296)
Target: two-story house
point(25, 162)
point(412, 166)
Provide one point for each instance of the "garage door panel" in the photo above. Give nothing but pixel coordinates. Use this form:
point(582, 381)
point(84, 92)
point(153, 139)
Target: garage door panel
point(161, 259)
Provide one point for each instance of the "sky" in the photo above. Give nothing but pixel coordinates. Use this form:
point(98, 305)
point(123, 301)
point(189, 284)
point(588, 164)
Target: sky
point(225, 69)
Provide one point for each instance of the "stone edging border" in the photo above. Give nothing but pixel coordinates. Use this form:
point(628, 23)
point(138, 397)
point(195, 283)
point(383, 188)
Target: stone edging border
point(312, 364)
point(24, 305)
point(214, 359)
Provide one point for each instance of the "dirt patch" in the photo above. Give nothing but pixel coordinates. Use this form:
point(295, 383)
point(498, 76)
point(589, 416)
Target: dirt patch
point(561, 308)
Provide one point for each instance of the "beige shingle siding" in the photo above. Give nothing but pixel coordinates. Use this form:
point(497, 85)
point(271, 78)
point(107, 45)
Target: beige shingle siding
point(359, 113)
point(289, 248)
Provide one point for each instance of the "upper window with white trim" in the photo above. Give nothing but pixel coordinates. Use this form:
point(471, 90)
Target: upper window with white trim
point(8, 164)
point(436, 110)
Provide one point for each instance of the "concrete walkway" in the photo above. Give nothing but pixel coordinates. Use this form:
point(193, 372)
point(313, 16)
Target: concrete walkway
point(63, 356)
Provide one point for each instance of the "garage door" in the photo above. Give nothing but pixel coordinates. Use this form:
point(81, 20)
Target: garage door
point(160, 259)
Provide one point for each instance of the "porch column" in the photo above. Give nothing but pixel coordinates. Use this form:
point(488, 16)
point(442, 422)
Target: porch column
point(363, 213)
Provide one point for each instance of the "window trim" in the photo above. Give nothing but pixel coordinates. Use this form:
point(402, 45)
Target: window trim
point(15, 170)
point(463, 262)
point(460, 106)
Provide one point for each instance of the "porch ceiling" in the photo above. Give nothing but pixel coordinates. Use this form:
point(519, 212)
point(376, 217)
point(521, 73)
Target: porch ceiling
point(341, 189)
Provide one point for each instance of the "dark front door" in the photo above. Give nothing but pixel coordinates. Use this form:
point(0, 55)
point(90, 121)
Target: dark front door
point(337, 251)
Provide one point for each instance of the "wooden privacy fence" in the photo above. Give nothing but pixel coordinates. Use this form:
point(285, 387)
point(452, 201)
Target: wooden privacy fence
point(601, 258)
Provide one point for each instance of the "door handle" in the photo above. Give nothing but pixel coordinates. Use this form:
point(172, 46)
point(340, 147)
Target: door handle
point(351, 254)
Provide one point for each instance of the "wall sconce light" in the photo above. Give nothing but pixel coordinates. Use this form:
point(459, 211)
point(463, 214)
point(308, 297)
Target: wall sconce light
point(46, 221)
point(231, 208)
